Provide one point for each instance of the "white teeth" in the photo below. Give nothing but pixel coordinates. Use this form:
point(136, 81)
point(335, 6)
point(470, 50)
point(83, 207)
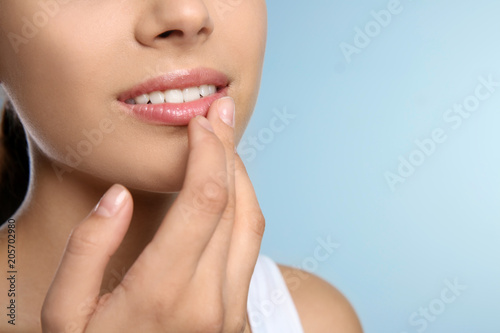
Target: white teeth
point(191, 94)
point(177, 95)
point(204, 90)
point(143, 99)
point(157, 97)
point(174, 96)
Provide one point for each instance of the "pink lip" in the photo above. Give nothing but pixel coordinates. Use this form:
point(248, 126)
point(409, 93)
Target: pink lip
point(176, 114)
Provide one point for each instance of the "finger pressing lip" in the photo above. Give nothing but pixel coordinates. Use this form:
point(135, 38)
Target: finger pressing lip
point(221, 116)
point(190, 223)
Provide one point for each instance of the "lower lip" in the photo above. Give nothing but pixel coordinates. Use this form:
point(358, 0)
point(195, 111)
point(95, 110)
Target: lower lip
point(174, 114)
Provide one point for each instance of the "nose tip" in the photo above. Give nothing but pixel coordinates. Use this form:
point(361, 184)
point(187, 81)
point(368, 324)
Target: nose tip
point(180, 21)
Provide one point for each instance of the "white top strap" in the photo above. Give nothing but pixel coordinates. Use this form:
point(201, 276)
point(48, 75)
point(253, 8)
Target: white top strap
point(270, 306)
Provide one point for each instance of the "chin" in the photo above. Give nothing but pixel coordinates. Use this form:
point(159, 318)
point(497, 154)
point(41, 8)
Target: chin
point(144, 174)
point(155, 184)
point(158, 179)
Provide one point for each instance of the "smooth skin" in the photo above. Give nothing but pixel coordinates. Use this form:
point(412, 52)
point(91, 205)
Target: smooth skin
point(197, 288)
point(166, 260)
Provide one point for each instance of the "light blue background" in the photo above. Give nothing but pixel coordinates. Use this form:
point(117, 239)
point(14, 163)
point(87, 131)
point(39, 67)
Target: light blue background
point(323, 175)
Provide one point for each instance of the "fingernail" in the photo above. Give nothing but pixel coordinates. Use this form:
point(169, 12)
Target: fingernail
point(205, 123)
point(226, 108)
point(111, 201)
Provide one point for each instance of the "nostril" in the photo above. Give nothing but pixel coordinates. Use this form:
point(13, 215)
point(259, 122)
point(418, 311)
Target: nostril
point(166, 34)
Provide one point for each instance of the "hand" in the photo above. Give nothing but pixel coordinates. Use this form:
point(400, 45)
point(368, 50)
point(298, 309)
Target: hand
point(193, 276)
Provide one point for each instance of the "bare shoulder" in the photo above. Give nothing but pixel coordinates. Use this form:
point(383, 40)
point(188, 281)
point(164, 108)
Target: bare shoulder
point(321, 307)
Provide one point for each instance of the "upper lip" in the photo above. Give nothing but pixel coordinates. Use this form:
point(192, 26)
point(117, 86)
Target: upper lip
point(179, 79)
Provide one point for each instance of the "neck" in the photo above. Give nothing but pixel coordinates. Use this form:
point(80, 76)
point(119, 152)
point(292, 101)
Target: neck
point(54, 206)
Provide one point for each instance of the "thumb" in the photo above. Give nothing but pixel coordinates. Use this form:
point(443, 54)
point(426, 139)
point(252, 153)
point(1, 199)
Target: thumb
point(74, 291)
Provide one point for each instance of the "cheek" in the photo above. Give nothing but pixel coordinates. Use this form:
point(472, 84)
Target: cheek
point(50, 96)
point(54, 72)
point(63, 98)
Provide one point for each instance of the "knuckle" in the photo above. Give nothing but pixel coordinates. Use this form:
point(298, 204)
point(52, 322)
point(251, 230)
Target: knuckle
point(258, 224)
point(83, 241)
point(212, 142)
point(210, 196)
point(229, 209)
point(212, 146)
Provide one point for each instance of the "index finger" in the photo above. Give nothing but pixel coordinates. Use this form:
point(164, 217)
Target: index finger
point(191, 221)
point(216, 254)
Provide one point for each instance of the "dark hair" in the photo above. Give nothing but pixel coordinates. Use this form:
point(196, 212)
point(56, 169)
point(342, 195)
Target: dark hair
point(14, 165)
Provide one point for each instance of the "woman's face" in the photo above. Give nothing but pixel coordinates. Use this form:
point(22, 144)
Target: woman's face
point(67, 65)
